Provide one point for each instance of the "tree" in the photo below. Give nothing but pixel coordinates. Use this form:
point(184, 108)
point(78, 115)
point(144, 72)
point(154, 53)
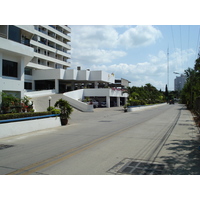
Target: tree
point(147, 94)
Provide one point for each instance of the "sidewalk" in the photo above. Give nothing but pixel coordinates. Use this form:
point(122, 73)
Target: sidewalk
point(180, 153)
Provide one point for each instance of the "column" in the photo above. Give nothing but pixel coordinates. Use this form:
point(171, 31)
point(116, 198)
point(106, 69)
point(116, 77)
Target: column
point(108, 101)
point(56, 86)
point(125, 100)
point(118, 101)
point(96, 84)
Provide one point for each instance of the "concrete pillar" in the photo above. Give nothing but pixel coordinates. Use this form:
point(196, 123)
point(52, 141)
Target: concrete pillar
point(33, 85)
point(56, 86)
point(108, 101)
point(118, 101)
point(21, 68)
point(96, 84)
point(125, 100)
point(72, 86)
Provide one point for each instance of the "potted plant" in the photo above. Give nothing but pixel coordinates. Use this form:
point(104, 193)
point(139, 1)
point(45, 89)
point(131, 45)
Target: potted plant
point(125, 108)
point(65, 110)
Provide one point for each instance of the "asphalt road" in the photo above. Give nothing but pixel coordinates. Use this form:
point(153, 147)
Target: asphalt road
point(107, 141)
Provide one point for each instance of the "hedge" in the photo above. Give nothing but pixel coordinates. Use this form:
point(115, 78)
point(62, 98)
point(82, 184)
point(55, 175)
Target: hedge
point(22, 115)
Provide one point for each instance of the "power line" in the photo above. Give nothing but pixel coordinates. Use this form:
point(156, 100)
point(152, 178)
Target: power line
point(197, 45)
point(181, 44)
point(168, 67)
point(188, 43)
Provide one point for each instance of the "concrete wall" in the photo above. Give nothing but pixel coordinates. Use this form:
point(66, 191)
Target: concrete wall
point(73, 99)
point(40, 93)
point(104, 92)
point(17, 128)
point(131, 109)
point(73, 74)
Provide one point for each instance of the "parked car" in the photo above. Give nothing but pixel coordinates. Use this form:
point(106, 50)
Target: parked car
point(103, 104)
point(94, 103)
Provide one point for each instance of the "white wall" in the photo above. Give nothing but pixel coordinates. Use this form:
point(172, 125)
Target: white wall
point(83, 74)
point(70, 74)
point(73, 98)
point(46, 74)
point(39, 93)
point(104, 92)
point(17, 128)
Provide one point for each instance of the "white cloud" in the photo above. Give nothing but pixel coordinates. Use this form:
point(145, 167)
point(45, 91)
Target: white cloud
point(94, 37)
point(139, 36)
point(153, 71)
point(100, 47)
point(104, 44)
point(90, 57)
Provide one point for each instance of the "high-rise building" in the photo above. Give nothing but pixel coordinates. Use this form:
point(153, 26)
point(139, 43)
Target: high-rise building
point(51, 51)
point(179, 82)
point(26, 51)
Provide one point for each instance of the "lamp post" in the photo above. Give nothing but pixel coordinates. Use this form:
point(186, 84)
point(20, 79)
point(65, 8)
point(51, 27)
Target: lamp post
point(49, 102)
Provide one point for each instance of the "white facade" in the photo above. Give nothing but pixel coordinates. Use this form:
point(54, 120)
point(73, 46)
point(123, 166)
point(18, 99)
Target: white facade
point(15, 53)
point(179, 82)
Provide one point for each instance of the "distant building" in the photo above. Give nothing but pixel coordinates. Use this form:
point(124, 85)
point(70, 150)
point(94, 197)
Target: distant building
point(179, 82)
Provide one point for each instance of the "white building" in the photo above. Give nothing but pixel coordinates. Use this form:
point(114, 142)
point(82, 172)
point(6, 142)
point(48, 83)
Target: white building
point(179, 82)
point(15, 54)
point(36, 58)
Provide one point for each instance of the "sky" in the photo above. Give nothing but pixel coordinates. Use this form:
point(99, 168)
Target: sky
point(128, 38)
point(139, 53)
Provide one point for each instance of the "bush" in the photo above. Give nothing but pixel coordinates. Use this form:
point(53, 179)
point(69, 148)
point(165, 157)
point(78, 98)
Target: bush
point(22, 115)
point(55, 111)
point(50, 108)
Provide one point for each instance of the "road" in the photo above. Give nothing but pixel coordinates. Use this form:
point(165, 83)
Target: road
point(105, 142)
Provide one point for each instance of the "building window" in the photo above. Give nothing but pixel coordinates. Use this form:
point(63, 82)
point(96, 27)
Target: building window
point(10, 68)
point(28, 71)
point(14, 34)
point(27, 85)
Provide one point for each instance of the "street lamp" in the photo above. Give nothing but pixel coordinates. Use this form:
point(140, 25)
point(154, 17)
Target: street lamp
point(49, 102)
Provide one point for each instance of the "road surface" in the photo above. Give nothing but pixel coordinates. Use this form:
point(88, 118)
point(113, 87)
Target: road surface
point(105, 142)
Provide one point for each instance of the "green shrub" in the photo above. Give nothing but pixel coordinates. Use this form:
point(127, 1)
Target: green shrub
point(50, 108)
point(55, 111)
point(22, 115)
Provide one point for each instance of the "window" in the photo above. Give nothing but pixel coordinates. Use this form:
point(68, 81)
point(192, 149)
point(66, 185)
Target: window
point(10, 68)
point(28, 71)
point(14, 34)
point(27, 85)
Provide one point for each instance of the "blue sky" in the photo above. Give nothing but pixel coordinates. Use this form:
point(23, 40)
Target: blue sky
point(137, 53)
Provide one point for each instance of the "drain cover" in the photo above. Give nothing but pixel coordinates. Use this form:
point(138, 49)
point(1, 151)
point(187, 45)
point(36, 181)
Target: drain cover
point(142, 168)
point(4, 146)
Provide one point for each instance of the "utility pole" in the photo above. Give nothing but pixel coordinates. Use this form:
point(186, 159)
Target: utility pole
point(168, 67)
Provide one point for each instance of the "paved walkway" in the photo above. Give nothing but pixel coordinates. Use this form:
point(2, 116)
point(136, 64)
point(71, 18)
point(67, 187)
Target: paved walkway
point(181, 154)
